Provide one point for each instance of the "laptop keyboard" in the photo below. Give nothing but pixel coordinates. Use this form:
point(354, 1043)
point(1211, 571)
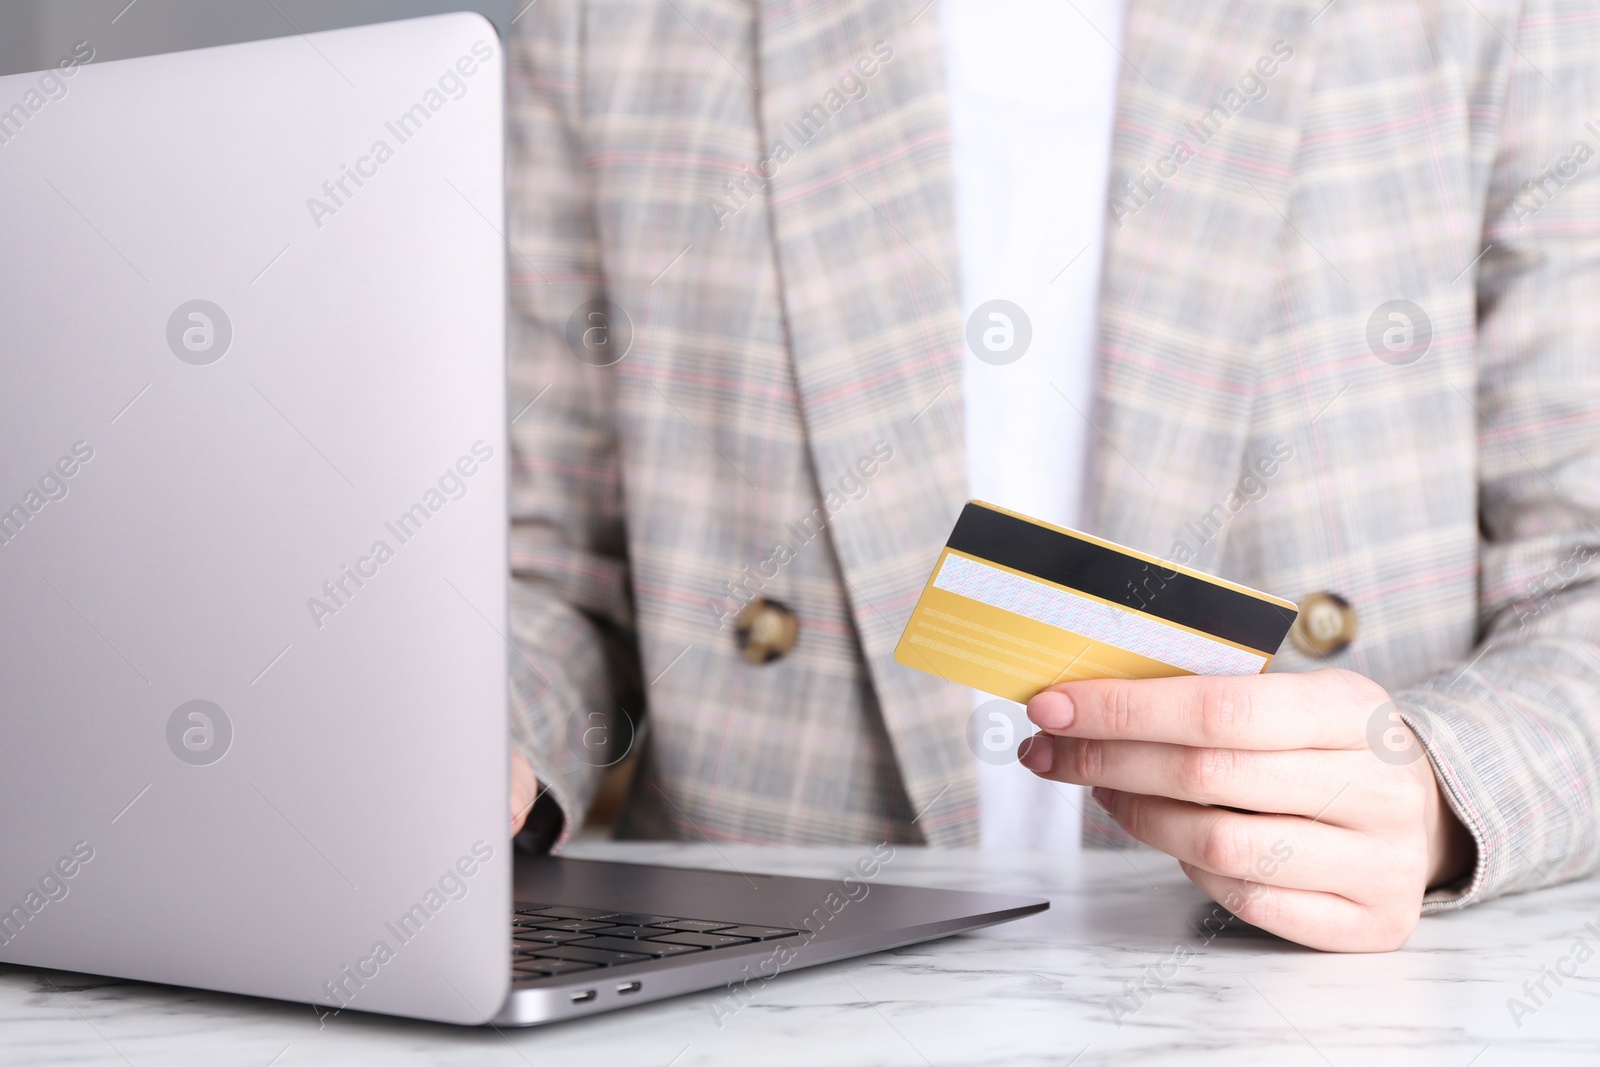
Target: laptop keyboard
point(550, 940)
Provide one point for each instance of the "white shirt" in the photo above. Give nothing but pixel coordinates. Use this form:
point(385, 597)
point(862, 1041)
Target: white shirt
point(1032, 89)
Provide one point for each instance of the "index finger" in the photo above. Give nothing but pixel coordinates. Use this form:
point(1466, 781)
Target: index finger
point(1320, 709)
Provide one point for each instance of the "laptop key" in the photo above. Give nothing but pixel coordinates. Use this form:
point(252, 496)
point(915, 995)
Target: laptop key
point(562, 912)
point(695, 925)
point(636, 931)
point(545, 937)
point(545, 968)
point(521, 950)
point(573, 926)
point(527, 909)
point(590, 955)
point(703, 940)
point(628, 918)
point(757, 933)
point(653, 948)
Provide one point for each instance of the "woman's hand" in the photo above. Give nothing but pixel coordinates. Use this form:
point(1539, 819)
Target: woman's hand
point(524, 790)
point(1345, 842)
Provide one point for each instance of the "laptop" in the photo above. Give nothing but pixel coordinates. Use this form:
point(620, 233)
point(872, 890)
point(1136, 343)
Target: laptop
point(253, 561)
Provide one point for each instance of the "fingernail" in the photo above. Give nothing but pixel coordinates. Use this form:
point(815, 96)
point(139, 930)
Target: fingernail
point(1037, 754)
point(1104, 797)
point(1051, 710)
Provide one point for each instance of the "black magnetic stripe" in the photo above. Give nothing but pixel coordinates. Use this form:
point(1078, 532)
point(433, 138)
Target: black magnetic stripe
point(1121, 579)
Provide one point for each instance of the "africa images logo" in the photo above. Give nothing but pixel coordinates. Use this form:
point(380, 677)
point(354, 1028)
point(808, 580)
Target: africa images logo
point(51, 88)
point(1399, 332)
point(52, 488)
point(453, 485)
point(337, 192)
point(52, 888)
point(199, 333)
point(452, 885)
point(199, 733)
point(999, 332)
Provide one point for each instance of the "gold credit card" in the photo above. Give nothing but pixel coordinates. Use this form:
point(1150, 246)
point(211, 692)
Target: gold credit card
point(1016, 605)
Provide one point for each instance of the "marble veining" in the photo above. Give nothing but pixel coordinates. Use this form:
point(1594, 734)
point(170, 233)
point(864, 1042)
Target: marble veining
point(1123, 968)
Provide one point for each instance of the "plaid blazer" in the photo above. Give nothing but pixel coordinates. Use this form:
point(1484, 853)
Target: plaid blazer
point(759, 193)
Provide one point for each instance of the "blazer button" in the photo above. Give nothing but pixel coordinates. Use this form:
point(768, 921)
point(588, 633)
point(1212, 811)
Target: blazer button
point(766, 631)
point(1326, 626)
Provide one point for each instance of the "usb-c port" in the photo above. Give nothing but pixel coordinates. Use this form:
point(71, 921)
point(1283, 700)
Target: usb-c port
point(584, 997)
point(629, 987)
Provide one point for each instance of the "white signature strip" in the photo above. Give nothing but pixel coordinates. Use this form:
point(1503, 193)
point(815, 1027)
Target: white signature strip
point(1090, 618)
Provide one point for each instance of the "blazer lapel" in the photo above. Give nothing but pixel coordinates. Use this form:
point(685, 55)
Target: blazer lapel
point(854, 112)
point(863, 219)
point(1199, 199)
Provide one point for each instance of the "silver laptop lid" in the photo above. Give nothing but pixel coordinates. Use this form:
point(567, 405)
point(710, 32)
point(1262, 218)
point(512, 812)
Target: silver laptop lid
point(252, 519)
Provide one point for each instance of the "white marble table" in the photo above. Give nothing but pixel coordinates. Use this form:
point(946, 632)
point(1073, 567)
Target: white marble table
point(1037, 991)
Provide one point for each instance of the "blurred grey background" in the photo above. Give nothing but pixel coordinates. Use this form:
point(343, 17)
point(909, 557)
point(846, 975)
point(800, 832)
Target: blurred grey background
point(34, 34)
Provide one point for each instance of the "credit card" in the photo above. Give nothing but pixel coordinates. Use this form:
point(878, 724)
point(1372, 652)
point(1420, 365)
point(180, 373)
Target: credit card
point(1015, 605)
